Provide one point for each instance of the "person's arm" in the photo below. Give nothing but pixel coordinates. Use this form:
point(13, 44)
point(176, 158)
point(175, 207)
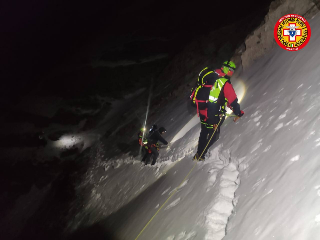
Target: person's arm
point(231, 96)
point(161, 139)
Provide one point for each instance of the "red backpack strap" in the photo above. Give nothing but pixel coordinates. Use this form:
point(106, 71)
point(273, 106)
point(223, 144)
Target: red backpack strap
point(204, 112)
point(197, 107)
point(192, 94)
point(201, 101)
point(219, 72)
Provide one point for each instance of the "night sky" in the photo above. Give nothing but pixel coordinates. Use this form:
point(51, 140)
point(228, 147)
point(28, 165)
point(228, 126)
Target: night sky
point(41, 37)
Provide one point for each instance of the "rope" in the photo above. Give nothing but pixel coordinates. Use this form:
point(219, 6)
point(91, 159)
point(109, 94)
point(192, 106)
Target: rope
point(176, 189)
point(165, 202)
point(230, 115)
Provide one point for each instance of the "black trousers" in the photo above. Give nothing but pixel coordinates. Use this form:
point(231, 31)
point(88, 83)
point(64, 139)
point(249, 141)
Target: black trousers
point(204, 139)
point(154, 153)
point(145, 154)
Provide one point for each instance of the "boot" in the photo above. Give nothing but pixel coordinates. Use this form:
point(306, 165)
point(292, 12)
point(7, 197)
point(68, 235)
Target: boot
point(198, 158)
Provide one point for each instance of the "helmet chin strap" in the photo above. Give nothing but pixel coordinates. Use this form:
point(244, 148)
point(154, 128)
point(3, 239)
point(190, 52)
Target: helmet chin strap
point(230, 75)
point(222, 68)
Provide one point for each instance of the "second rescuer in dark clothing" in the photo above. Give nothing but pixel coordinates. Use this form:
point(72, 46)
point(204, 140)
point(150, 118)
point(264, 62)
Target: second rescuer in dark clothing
point(153, 138)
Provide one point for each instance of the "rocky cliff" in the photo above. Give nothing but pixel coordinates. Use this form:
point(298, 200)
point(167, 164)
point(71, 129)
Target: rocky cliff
point(261, 40)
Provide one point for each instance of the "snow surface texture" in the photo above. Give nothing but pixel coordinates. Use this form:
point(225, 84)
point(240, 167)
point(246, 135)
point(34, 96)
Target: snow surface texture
point(273, 149)
point(279, 152)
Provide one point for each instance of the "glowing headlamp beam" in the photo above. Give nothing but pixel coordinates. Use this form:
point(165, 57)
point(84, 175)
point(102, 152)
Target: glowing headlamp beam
point(148, 106)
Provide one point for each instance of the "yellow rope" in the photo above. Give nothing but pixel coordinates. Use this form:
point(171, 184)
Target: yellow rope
point(165, 202)
point(176, 189)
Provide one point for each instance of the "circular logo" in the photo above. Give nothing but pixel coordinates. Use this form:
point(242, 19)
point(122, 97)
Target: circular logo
point(292, 32)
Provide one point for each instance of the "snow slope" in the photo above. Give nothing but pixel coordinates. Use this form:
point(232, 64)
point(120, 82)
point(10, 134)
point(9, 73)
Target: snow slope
point(278, 144)
point(260, 181)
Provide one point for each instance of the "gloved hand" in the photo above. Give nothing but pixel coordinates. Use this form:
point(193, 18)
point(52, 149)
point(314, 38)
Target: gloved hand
point(238, 117)
point(168, 146)
point(163, 146)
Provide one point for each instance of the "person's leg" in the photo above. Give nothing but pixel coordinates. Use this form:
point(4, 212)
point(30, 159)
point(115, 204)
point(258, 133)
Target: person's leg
point(144, 152)
point(148, 156)
point(214, 138)
point(145, 156)
point(155, 155)
point(202, 139)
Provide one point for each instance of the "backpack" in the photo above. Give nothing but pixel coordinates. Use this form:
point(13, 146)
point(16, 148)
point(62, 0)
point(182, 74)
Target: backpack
point(200, 93)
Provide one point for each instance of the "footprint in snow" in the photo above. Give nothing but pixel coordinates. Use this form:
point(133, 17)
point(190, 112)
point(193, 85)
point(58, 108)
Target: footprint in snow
point(257, 184)
point(257, 146)
point(308, 110)
point(288, 123)
point(297, 122)
point(256, 119)
point(273, 109)
point(174, 203)
point(229, 191)
point(269, 121)
point(139, 189)
point(257, 231)
point(217, 216)
point(165, 191)
point(280, 125)
point(267, 148)
point(266, 194)
point(235, 201)
point(230, 175)
point(255, 114)
point(295, 158)
point(183, 236)
point(182, 185)
point(212, 170)
point(283, 115)
point(212, 179)
point(103, 178)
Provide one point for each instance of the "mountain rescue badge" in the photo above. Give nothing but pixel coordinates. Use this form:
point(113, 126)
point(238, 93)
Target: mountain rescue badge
point(292, 32)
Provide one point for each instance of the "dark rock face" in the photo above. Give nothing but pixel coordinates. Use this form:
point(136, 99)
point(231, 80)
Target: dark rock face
point(262, 40)
point(25, 140)
point(65, 117)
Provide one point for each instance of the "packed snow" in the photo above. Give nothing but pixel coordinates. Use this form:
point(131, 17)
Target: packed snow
point(260, 181)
